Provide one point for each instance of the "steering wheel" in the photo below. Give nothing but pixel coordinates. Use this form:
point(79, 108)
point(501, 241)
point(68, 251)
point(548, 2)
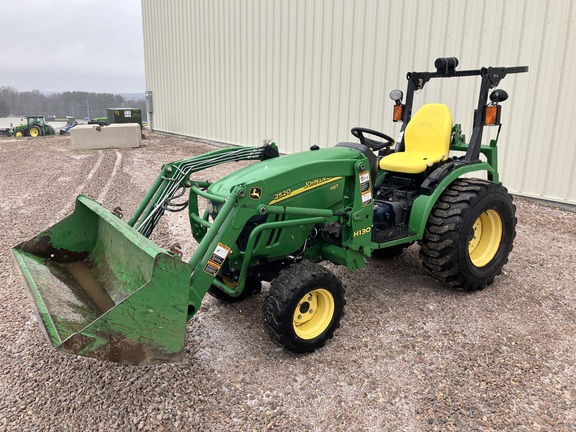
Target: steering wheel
point(359, 132)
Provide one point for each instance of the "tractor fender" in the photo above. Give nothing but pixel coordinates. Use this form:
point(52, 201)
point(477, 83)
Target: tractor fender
point(424, 203)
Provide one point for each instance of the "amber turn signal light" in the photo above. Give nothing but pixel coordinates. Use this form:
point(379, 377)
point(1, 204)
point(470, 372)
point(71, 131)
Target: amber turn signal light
point(492, 115)
point(398, 113)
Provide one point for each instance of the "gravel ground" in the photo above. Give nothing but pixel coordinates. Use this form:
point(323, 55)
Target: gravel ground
point(410, 355)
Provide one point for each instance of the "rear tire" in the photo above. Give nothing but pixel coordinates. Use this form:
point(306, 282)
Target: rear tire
point(469, 234)
point(34, 131)
point(304, 307)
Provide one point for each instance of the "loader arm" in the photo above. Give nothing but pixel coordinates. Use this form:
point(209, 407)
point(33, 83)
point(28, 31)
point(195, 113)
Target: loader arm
point(174, 177)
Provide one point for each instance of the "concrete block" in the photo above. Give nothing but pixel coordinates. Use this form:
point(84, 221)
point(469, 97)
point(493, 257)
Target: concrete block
point(112, 136)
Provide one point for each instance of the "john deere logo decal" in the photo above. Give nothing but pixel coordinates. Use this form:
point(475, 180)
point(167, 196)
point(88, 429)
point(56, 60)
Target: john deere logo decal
point(255, 193)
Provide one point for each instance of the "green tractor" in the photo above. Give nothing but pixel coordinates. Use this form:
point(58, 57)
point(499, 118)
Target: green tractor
point(36, 126)
point(102, 289)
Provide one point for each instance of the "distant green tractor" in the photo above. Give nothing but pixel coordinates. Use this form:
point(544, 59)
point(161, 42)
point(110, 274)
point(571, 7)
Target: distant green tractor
point(36, 126)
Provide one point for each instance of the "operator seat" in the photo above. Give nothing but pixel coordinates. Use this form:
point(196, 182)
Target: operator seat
point(426, 141)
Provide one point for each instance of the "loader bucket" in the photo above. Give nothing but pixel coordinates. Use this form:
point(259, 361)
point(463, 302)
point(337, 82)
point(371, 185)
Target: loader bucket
point(103, 290)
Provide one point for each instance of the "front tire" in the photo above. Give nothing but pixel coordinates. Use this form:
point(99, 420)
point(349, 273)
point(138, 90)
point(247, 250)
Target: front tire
point(304, 307)
point(469, 234)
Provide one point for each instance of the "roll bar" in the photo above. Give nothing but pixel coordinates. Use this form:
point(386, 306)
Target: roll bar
point(446, 68)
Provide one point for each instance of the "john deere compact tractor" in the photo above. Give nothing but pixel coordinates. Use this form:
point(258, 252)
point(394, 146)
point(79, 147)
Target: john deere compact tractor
point(103, 289)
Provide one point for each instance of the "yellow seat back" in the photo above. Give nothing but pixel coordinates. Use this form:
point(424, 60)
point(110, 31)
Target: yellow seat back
point(429, 130)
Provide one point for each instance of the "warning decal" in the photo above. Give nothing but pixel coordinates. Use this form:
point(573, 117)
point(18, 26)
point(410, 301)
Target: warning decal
point(365, 188)
point(217, 259)
point(220, 254)
point(366, 198)
point(211, 268)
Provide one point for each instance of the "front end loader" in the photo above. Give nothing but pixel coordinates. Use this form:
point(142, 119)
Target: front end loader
point(102, 289)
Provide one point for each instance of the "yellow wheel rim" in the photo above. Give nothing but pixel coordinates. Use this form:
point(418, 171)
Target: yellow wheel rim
point(228, 281)
point(18, 134)
point(33, 132)
point(486, 238)
point(313, 314)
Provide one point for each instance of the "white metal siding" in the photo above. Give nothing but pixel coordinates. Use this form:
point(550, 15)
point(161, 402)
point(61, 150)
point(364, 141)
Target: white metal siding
point(304, 72)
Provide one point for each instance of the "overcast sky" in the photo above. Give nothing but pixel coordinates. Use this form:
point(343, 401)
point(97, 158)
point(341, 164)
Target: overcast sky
point(59, 45)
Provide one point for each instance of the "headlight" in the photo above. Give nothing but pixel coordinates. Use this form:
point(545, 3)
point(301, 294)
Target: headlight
point(213, 208)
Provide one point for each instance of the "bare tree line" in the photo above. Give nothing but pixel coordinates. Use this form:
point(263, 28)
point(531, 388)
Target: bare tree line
point(77, 104)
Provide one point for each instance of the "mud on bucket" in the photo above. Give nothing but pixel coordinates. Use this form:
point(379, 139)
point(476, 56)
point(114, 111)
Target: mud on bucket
point(103, 290)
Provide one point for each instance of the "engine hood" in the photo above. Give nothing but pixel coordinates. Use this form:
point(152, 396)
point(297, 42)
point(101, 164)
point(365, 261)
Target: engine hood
point(283, 171)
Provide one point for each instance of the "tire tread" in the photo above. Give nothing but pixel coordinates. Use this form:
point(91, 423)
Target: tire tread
point(278, 302)
point(440, 243)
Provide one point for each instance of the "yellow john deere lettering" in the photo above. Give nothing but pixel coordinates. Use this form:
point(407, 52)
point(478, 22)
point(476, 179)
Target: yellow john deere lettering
point(310, 184)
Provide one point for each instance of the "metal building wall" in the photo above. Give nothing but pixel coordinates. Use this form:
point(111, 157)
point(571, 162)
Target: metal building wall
point(303, 72)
